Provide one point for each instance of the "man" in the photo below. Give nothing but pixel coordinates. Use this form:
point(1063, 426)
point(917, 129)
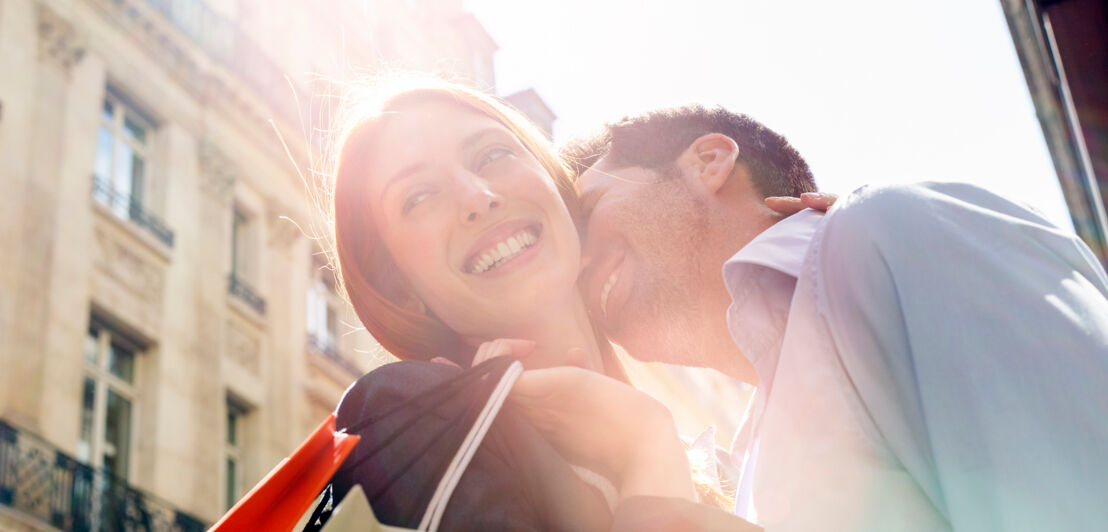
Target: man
point(928, 357)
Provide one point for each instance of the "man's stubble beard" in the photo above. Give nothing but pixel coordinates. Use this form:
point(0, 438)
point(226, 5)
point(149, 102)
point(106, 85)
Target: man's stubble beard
point(665, 314)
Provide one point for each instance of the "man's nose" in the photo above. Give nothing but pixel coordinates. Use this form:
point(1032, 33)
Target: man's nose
point(478, 199)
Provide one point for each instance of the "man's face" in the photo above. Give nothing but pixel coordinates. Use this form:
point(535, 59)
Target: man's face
point(646, 269)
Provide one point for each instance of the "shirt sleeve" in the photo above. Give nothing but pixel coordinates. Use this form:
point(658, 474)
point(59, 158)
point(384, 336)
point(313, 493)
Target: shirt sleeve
point(976, 336)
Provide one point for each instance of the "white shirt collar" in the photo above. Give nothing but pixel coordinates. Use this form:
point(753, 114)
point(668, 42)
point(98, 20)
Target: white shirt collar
point(761, 279)
point(781, 247)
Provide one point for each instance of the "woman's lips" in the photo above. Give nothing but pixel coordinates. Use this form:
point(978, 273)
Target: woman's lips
point(503, 249)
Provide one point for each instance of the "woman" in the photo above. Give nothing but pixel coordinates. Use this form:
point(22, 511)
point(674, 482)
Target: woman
point(454, 231)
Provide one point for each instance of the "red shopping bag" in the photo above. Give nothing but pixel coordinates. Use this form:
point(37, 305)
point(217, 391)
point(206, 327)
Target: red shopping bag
point(279, 499)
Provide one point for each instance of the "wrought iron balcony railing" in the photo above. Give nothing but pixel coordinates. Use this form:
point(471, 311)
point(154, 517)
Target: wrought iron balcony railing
point(327, 347)
point(243, 291)
point(45, 483)
point(128, 207)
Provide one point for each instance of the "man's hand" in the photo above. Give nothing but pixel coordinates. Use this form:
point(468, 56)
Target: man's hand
point(788, 205)
point(599, 419)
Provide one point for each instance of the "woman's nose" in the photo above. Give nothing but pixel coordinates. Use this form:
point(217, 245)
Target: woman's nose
point(478, 199)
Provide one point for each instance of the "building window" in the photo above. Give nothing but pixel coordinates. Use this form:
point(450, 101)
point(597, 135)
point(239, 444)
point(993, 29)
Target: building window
point(244, 253)
point(240, 240)
point(107, 401)
point(121, 157)
point(121, 179)
point(323, 312)
point(324, 318)
point(233, 451)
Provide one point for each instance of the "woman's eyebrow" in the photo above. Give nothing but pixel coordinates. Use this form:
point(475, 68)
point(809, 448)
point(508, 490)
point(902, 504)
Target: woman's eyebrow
point(403, 174)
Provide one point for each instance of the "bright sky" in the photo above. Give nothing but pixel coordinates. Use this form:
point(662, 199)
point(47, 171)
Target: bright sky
point(869, 91)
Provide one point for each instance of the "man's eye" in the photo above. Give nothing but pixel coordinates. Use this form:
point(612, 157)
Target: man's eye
point(414, 199)
point(492, 154)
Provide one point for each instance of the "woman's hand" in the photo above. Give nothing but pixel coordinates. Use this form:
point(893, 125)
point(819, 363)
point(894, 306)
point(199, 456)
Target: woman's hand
point(596, 418)
point(788, 205)
point(503, 347)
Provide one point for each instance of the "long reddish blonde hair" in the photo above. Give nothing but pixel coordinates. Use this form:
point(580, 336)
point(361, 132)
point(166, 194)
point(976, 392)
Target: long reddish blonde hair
point(375, 286)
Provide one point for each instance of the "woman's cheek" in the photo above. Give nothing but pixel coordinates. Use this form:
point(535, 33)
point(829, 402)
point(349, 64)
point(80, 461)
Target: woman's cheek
point(421, 240)
point(423, 253)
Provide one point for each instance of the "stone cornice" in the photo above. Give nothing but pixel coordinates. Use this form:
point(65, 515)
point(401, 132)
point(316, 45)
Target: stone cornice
point(58, 40)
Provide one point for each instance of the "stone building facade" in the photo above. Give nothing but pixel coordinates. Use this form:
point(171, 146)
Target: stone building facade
point(168, 331)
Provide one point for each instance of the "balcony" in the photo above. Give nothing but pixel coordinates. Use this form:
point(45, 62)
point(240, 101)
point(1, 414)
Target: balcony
point(327, 348)
point(127, 207)
point(246, 294)
point(46, 484)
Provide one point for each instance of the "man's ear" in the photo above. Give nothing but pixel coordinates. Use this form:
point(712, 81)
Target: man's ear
point(710, 159)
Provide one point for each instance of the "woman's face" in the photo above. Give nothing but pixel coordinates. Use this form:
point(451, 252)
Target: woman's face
point(471, 218)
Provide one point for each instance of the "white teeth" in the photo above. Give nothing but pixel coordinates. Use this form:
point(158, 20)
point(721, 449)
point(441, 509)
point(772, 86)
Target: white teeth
point(607, 290)
point(504, 251)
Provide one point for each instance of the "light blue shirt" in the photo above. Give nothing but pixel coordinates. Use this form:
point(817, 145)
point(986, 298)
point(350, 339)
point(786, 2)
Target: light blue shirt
point(932, 357)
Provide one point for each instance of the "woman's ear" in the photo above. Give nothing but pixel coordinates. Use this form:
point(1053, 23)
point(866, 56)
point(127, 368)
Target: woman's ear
point(416, 305)
point(710, 160)
point(406, 298)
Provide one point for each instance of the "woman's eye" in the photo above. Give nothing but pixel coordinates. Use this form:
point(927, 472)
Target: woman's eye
point(493, 154)
point(414, 199)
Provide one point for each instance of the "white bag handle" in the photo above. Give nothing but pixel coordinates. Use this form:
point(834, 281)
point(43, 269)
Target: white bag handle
point(449, 481)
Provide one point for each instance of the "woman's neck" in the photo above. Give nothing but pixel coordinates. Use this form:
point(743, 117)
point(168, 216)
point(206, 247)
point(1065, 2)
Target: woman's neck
point(564, 336)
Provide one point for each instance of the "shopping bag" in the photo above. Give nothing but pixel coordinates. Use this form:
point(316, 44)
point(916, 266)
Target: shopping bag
point(353, 514)
point(279, 499)
point(357, 504)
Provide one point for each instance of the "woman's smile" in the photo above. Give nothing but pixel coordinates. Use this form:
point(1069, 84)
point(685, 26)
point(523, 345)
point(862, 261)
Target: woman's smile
point(504, 249)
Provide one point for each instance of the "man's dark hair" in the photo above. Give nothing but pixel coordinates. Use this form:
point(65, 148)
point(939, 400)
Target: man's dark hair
point(654, 139)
